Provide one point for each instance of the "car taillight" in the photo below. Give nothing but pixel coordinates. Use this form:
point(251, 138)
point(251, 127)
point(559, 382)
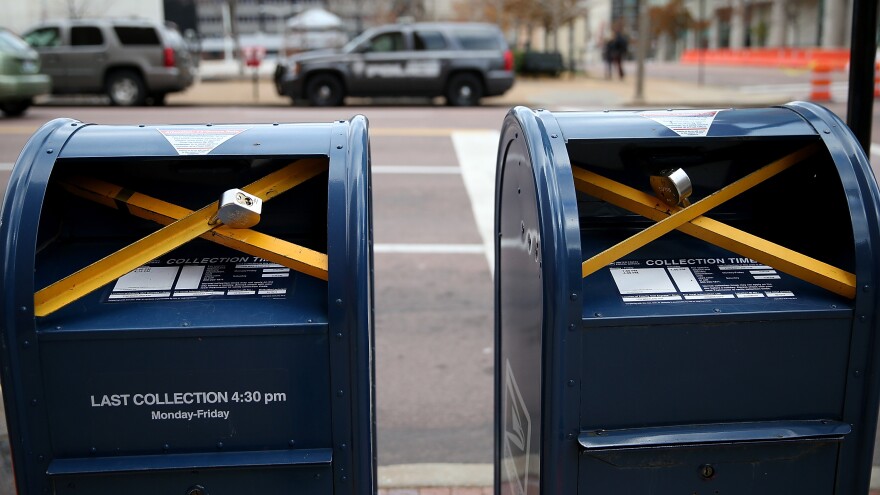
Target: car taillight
point(508, 60)
point(169, 57)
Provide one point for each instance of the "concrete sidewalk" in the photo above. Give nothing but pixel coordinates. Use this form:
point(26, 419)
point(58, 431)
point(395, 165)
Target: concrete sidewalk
point(564, 93)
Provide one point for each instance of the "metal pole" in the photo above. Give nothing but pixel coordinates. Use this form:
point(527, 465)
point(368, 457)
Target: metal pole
point(860, 103)
point(641, 53)
point(701, 42)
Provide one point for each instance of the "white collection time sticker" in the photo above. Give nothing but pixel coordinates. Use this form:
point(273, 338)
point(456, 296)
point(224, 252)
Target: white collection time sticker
point(695, 280)
point(197, 278)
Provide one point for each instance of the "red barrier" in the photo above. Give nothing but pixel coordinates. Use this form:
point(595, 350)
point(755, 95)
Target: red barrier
point(784, 57)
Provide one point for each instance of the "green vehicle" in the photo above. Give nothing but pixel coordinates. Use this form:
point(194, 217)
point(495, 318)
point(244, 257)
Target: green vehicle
point(20, 78)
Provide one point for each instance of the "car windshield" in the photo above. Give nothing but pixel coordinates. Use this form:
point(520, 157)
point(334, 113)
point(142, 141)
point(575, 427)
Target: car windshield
point(11, 42)
point(356, 41)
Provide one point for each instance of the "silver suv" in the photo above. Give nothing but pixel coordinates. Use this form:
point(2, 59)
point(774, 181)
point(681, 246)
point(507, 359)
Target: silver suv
point(132, 61)
point(461, 61)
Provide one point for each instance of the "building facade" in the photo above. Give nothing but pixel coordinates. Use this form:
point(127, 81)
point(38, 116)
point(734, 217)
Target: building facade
point(738, 24)
point(21, 15)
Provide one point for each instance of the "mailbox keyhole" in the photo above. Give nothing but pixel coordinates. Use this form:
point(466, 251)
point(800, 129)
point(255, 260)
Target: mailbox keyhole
point(707, 471)
point(243, 200)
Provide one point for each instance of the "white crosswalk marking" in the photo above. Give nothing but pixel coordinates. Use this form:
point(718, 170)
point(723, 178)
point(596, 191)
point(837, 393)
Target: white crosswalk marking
point(429, 248)
point(414, 169)
point(477, 152)
point(6, 167)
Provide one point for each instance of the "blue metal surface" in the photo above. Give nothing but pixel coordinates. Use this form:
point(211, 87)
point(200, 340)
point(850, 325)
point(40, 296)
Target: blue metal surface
point(213, 460)
point(252, 140)
point(685, 435)
point(247, 394)
point(730, 369)
point(537, 290)
point(729, 123)
point(863, 382)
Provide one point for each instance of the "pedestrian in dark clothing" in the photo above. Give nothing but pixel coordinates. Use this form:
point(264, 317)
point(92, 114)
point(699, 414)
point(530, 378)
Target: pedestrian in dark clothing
point(618, 48)
point(606, 57)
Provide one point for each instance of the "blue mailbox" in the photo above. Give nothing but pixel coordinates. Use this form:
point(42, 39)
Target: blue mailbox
point(188, 310)
point(685, 302)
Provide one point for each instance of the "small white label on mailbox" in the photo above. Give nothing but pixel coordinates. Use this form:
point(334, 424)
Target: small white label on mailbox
point(688, 123)
point(189, 141)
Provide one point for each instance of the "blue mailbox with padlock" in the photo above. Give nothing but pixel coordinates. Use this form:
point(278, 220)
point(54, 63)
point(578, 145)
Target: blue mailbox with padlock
point(188, 309)
point(685, 303)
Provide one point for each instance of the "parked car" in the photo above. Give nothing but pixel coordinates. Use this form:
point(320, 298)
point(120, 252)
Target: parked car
point(461, 61)
point(20, 80)
point(130, 60)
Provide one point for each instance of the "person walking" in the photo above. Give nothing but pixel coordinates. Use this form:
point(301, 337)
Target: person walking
point(618, 48)
point(606, 56)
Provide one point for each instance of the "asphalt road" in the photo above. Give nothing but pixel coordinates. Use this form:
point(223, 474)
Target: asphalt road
point(434, 356)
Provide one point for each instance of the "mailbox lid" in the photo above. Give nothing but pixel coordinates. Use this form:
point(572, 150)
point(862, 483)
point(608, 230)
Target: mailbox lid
point(113, 141)
point(729, 122)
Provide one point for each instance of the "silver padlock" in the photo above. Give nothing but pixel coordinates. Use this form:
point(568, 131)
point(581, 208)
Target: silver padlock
point(239, 209)
point(673, 187)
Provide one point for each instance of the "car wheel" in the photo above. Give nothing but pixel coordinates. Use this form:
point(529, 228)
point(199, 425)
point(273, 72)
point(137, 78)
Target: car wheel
point(14, 108)
point(325, 90)
point(126, 88)
point(464, 90)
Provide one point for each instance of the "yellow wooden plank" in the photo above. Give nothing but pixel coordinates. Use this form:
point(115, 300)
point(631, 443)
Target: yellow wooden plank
point(104, 271)
point(247, 241)
point(735, 240)
point(684, 215)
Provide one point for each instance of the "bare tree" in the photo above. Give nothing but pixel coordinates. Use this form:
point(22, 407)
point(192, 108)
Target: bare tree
point(79, 9)
point(670, 21)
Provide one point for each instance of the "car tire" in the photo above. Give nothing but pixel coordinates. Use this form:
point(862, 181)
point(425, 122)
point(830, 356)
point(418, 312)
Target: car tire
point(15, 108)
point(325, 90)
point(126, 88)
point(464, 90)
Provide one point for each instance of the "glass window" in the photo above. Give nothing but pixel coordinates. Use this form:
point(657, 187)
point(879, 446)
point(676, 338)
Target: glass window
point(387, 42)
point(43, 37)
point(86, 36)
point(12, 42)
point(429, 40)
point(471, 39)
point(132, 35)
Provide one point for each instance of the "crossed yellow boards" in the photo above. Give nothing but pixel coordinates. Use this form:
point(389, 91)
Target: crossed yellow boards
point(691, 221)
point(181, 225)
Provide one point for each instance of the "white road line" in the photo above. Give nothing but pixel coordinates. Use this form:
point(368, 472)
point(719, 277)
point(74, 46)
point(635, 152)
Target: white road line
point(477, 152)
point(414, 169)
point(875, 149)
point(429, 248)
point(6, 167)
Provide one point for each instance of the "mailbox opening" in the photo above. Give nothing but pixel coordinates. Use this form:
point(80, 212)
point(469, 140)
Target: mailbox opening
point(81, 225)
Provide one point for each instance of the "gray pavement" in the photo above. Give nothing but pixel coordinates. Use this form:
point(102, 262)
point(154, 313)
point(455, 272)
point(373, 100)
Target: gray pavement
point(583, 91)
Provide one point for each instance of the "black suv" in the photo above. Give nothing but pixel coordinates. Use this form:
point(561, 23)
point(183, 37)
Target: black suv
point(130, 60)
point(461, 61)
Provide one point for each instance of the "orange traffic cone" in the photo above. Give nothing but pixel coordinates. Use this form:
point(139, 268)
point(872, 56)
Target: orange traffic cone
point(820, 84)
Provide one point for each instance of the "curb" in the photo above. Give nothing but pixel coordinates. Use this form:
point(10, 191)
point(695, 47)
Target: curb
point(6, 478)
point(435, 475)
